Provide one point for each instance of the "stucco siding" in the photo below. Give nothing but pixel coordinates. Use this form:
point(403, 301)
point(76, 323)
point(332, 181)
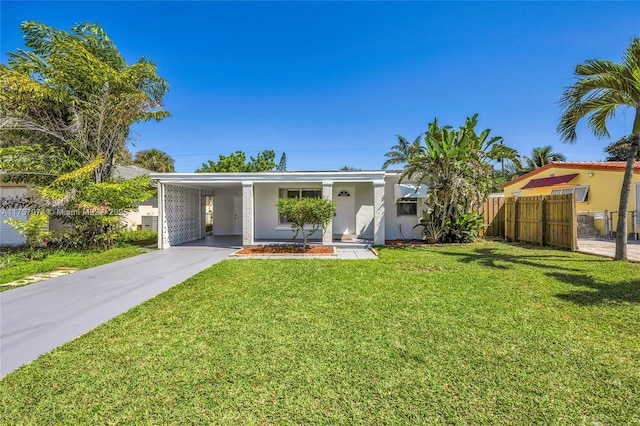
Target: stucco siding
point(399, 227)
point(266, 213)
point(364, 210)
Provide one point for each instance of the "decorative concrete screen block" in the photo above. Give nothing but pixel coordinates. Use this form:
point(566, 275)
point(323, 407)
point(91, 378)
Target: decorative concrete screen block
point(183, 215)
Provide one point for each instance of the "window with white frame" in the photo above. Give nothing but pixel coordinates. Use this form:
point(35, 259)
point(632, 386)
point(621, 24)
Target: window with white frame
point(407, 207)
point(297, 193)
point(580, 191)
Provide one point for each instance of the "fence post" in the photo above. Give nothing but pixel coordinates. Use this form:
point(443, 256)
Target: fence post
point(542, 222)
point(574, 224)
point(516, 212)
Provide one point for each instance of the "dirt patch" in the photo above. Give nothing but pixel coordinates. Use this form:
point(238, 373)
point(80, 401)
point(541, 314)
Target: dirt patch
point(284, 250)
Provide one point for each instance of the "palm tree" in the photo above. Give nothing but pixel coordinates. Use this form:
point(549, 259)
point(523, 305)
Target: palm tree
point(156, 160)
point(602, 88)
point(402, 152)
point(541, 156)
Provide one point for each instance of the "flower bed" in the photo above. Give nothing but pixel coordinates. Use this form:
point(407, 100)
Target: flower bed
point(285, 250)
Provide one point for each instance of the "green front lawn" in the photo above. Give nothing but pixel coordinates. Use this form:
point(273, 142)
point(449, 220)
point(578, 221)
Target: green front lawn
point(486, 333)
point(15, 266)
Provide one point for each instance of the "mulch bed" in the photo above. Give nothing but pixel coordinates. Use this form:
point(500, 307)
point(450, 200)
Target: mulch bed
point(285, 249)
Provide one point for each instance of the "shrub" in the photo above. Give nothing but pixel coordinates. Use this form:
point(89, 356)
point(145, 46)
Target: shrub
point(138, 237)
point(314, 212)
point(34, 230)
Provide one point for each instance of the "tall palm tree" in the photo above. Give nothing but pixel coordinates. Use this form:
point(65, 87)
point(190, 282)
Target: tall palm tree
point(156, 160)
point(541, 156)
point(402, 152)
point(602, 88)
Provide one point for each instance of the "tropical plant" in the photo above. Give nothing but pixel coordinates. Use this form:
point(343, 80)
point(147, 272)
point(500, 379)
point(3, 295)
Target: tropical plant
point(237, 163)
point(464, 228)
point(619, 150)
point(603, 87)
point(403, 151)
point(542, 156)
point(156, 160)
point(457, 167)
point(73, 93)
point(314, 212)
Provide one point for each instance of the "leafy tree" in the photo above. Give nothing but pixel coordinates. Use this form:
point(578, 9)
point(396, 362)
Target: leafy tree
point(237, 163)
point(282, 164)
point(73, 93)
point(156, 160)
point(349, 169)
point(91, 211)
point(619, 150)
point(456, 165)
point(542, 156)
point(602, 87)
point(402, 152)
point(316, 212)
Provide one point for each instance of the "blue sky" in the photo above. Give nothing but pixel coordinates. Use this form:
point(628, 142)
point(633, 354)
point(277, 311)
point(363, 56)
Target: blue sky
point(332, 83)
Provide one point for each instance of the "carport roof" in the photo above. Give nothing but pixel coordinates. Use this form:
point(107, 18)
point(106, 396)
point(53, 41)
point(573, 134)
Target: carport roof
point(270, 177)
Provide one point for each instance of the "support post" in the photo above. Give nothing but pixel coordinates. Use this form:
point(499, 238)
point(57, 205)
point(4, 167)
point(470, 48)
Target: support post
point(327, 193)
point(378, 212)
point(161, 219)
point(247, 214)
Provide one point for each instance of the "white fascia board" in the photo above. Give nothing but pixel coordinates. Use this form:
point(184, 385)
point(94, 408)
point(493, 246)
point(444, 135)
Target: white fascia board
point(268, 177)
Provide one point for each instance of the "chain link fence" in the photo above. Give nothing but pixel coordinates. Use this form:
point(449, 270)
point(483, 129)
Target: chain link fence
point(603, 223)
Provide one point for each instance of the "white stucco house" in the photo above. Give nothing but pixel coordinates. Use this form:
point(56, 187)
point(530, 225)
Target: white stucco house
point(371, 205)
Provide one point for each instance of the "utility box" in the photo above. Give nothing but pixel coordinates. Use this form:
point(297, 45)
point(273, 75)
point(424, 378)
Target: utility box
point(150, 223)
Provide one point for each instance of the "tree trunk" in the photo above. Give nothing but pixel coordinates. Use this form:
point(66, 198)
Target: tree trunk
point(625, 192)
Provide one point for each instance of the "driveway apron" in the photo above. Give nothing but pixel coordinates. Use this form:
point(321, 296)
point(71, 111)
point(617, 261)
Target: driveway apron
point(40, 317)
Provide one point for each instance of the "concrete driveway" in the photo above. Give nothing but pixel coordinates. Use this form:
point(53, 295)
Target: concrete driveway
point(40, 317)
point(607, 248)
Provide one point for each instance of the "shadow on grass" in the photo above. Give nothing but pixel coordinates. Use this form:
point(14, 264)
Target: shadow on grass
point(497, 259)
point(599, 291)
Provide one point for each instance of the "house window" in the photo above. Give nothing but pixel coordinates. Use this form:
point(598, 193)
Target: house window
point(407, 207)
point(297, 194)
point(344, 193)
point(580, 191)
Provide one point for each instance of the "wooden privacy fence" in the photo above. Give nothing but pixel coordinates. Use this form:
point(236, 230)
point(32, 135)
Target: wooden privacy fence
point(549, 220)
point(493, 215)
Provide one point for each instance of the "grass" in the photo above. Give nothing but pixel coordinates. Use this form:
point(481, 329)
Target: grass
point(486, 333)
point(16, 266)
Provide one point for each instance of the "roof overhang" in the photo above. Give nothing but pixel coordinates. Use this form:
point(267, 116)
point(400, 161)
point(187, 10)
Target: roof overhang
point(549, 181)
point(268, 177)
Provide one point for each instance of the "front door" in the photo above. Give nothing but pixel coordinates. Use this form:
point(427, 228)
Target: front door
point(344, 221)
point(237, 215)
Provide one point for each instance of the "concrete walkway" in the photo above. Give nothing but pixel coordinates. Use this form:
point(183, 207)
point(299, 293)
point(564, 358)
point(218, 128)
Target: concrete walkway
point(40, 317)
point(607, 248)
